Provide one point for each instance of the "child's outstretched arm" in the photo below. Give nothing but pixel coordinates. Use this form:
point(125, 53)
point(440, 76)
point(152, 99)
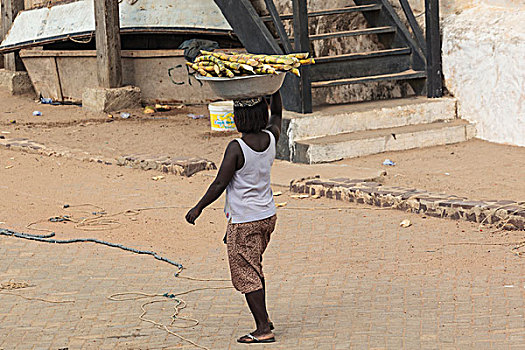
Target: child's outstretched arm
point(226, 172)
point(276, 116)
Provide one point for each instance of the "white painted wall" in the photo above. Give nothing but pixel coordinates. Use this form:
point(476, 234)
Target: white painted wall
point(484, 68)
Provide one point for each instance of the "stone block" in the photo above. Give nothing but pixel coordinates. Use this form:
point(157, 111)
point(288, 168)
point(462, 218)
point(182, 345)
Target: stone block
point(107, 100)
point(440, 205)
point(17, 83)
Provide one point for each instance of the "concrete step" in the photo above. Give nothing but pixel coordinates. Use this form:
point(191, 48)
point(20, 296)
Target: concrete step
point(333, 120)
point(362, 143)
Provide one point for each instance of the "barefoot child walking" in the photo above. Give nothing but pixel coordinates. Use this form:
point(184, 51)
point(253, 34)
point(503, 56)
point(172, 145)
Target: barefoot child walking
point(250, 207)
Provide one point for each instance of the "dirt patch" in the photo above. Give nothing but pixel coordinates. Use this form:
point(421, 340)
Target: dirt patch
point(475, 169)
point(171, 133)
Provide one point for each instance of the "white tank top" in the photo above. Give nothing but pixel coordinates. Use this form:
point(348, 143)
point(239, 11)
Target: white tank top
point(249, 196)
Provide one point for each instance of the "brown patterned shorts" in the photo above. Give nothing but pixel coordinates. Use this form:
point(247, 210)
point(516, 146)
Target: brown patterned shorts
point(246, 244)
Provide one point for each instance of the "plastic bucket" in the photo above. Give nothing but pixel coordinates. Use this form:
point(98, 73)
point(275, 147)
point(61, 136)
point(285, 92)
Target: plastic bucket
point(221, 116)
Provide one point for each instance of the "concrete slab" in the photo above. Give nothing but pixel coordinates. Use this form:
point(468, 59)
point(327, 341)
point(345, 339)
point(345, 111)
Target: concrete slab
point(334, 120)
point(107, 100)
point(356, 144)
point(17, 83)
point(283, 172)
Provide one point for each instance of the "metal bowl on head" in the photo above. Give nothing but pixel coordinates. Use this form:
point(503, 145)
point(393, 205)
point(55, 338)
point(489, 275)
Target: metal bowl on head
point(249, 86)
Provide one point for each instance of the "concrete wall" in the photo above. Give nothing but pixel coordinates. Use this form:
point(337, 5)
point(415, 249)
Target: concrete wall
point(65, 75)
point(484, 68)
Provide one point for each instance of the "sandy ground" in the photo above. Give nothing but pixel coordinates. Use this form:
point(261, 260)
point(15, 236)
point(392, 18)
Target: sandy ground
point(436, 265)
point(474, 169)
point(36, 188)
point(336, 278)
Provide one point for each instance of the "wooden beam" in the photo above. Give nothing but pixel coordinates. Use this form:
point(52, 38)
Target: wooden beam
point(302, 44)
point(109, 61)
point(10, 9)
point(434, 63)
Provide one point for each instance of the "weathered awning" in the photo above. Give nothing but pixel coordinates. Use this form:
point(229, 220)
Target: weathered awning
point(77, 20)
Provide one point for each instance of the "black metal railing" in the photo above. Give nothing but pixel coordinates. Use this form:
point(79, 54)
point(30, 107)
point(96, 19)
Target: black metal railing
point(429, 48)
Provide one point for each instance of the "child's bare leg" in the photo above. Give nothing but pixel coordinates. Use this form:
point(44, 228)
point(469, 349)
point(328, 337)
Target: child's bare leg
point(257, 305)
point(264, 291)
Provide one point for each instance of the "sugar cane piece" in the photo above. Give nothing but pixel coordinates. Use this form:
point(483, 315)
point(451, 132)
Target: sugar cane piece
point(205, 63)
point(277, 60)
point(208, 68)
point(300, 55)
point(204, 73)
point(248, 60)
point(196, 67)
point(229, 73)
point(203, 58)
point(207, 53)
point(217, 69)
point(238, 66)
point(211, 58)
point(307, 62)
point(265, 69)
point(296, 72)
point(281, 67)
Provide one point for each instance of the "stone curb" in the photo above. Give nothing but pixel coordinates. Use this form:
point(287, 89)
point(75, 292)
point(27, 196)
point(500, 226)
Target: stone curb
point(177, 166)
point(509, 215)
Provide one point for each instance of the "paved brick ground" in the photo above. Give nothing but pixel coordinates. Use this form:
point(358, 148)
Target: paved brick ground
point(337, 280)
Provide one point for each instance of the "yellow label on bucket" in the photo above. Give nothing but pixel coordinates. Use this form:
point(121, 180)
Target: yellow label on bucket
point(222, 122)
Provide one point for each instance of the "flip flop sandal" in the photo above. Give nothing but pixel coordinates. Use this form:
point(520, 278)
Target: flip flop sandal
point(250, 339)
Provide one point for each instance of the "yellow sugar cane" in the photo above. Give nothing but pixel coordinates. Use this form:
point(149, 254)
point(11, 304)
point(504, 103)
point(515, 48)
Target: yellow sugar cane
point(265, 70)
point(207, 53)
point(211, 58)
point(204, 73)
point(207, 68)
point(219, 55)
point(229, 73)
point(296, 72)
point(301, 55)
point(205, 63)
point(196, 67)
point(282, 67)
point(307, 61)
point(248, 59)
point(238, 66)
point(203, 58)
point(217, 69)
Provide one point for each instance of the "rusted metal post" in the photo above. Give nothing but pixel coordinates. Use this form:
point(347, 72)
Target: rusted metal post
point(10, 9)
point(434, 63)
point(109, 61)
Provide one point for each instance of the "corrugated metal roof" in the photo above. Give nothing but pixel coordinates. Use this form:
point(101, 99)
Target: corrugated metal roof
point(77, 19)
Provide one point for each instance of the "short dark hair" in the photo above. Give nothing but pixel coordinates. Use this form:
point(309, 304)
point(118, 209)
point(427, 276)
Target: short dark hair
point(251, 120)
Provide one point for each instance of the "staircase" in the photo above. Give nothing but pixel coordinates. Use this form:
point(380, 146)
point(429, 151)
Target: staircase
point(404, 56)
point(331, 133)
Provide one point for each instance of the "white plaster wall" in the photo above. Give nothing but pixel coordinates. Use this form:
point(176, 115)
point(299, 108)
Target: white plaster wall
point(484, 68)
